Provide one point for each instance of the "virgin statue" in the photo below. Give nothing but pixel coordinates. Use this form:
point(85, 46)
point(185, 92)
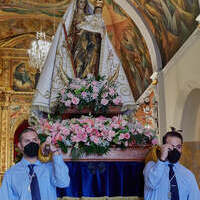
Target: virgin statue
point(80, 47)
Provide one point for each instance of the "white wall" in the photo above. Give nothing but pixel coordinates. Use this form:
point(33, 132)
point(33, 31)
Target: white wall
point(181, 89)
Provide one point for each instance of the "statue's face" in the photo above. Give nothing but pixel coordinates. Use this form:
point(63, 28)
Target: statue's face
point(81, 4)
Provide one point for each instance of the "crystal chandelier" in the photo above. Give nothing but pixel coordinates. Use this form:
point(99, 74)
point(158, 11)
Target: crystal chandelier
point(38, 51)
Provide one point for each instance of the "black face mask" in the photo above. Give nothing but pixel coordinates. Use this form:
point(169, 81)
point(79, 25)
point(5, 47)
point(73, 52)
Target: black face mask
point(31, 149)
point(173, 156)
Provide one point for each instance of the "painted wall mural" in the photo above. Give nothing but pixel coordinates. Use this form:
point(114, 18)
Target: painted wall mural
point(171, 22)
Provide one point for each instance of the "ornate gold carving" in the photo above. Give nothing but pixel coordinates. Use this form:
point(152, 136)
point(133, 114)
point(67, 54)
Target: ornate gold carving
point(14, 105)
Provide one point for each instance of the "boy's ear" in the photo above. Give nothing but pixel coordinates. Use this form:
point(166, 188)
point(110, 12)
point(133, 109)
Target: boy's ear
point(19, 145)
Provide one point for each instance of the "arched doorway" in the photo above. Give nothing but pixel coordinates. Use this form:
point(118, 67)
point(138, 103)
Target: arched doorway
point(19, 129)
point(191, 116)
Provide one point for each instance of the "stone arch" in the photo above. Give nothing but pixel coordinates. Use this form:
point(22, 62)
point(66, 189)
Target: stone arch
point(146, 33)
point(191, 116)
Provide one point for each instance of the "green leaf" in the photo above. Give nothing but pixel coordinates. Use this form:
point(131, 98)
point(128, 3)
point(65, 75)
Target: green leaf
point(62, 146)
point(116, 140)
point(123, 130)
point(42, 137)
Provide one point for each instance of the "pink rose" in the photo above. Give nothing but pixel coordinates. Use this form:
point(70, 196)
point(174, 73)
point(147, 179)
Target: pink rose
point(95, 89)
point(117, 101)
point(89, 130)
point(127, 136)
point(65, 131)
point(95, 95)
point(105, 95)
point(75, 100)
point(111, 133)
point(121, 136)
point(70, 95)
point(113, 125)
point(104, 102)
point(84, 94)
point(68, 103)
point(94, 139)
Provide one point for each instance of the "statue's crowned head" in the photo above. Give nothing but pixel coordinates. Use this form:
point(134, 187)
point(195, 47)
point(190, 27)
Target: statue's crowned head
point(99, 3)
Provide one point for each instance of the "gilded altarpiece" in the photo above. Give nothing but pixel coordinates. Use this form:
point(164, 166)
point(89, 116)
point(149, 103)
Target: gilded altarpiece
point(16, 91)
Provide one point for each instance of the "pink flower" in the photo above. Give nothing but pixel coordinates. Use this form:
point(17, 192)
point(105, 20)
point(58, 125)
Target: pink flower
point(117, 101)
point(89, 130)
point(56, 138)
point(148, 133)
point(127, 136)
point(111, 91)
point(104, 102)
point(75, 100)
point(65, 131)
point(114, 125)
point(46, 126)
point(94, 139)
point(74, 138)
point(70, 95)
point(84, 94)
point(95, 95)
point(105, 95)
point(154, 141)
point(95, 89)
point(121, 136)
point(68, 103)
point(111, 133)
point(94, 82)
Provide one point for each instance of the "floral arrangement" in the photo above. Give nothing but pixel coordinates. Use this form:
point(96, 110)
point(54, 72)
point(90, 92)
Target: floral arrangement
point(89, 135)
point(96, 94)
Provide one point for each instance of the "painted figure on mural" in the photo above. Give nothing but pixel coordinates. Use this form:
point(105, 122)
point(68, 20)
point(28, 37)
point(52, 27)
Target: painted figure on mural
point(22, 80)
point(80, 47)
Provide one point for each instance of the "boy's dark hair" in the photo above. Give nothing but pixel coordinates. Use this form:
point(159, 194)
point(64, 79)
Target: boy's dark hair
point(173, 133)
point(25, 131)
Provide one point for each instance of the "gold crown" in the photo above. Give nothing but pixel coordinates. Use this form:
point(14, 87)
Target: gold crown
point(99, 3)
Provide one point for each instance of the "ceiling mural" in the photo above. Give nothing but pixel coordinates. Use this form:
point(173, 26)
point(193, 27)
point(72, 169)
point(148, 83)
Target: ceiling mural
point(171, 22)
point(130, 46)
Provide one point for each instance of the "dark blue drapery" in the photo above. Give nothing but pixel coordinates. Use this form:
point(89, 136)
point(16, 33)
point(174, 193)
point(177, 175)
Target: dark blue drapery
point(95, 179)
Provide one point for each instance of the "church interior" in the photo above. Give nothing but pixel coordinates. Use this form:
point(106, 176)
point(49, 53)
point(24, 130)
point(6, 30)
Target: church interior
point(157, 43)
